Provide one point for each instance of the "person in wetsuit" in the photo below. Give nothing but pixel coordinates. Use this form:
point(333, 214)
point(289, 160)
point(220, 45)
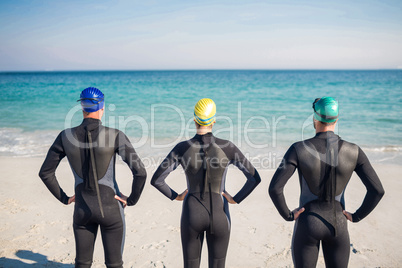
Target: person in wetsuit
point(91, 152)
point(325, 164)
point(205, 159)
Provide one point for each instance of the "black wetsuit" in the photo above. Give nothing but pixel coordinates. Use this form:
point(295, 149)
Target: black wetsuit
point(325, 164)
point(205, 160)
point(95, 186)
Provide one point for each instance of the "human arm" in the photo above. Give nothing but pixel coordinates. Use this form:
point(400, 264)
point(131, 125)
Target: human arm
point(280, 178)
point(48, 170)
point(348, 215)
point(169, 164)
point(122, 198)
point(296, 212)
point(373, 185)
point(180, 197)
point(71, 200)
point(228, 197)
point(252, 176)
point(131, 158)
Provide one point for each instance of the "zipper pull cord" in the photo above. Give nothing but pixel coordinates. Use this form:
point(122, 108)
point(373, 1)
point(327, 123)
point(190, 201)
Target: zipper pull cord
point(95, 173)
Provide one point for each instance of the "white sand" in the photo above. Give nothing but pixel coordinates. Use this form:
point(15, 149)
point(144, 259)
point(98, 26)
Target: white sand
point(35, 228)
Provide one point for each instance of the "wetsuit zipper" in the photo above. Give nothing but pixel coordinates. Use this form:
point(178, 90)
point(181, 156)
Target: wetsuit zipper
point(92, 156)
point(207, 182)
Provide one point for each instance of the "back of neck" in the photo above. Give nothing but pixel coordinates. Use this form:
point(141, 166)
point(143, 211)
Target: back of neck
point(203, 131)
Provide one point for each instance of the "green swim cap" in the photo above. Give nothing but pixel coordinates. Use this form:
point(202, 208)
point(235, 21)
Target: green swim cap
point(325, 109)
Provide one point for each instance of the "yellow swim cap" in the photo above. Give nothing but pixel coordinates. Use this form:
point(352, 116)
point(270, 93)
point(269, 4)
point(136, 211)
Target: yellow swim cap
point(204, 112)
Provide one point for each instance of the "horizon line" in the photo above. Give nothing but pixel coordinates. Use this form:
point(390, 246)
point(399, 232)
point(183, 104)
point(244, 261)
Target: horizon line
point(195, 69)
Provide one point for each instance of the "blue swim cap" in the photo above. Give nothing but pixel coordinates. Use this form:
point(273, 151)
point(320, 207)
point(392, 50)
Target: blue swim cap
point(92, 99)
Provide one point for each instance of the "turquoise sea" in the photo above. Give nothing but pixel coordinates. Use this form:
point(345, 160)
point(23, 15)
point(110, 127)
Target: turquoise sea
point(263, 112)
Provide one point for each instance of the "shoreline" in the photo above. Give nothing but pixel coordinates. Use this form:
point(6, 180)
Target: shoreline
point(268, 160)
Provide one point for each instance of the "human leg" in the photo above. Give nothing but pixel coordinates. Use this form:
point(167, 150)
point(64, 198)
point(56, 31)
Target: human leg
point(336, 249)
point(112, 227)
point(305, 247)
point(85, 236)
point(194, 222)
point(217, 248)
point(218, 234)
point(113, 238)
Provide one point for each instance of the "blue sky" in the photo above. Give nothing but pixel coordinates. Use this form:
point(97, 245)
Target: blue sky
point(138, 35)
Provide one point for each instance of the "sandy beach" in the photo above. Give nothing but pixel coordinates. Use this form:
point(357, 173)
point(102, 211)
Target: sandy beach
point(36, 229)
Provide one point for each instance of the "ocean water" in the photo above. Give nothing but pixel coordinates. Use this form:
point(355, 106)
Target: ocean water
point(262, 112)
